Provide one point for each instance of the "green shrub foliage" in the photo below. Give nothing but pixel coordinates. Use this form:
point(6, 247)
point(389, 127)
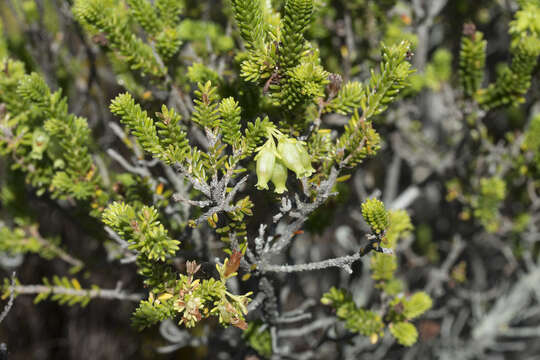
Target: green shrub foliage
point(211, 146)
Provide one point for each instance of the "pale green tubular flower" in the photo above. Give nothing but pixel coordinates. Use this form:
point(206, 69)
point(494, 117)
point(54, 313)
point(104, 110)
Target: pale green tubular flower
point(279, 177)
point(306, 159)
point(295, 156)
point(266, 158)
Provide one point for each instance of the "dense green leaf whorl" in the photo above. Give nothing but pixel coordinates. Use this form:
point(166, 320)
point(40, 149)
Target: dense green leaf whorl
point(472, 59)
point(375, 215)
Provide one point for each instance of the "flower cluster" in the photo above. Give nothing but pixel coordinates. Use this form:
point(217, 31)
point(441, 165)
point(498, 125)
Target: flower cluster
point(273, 162)
point(231, 308)
point(190, 300)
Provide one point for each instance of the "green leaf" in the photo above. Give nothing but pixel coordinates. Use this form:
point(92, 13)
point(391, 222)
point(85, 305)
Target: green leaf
point(383, 266)
point(400, 224)
point(472, 61)
point(260, 340)
point(405, 333)
point(250, 21)
point(418, 304)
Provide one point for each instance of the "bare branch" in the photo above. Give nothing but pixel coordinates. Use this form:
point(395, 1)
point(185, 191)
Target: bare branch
point(344, 262)
point(109, 294)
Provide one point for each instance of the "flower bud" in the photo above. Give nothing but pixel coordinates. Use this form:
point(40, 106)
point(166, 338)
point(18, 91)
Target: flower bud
point(266, 158)
point(279, 177)
point(40, 140)
point(232, 263)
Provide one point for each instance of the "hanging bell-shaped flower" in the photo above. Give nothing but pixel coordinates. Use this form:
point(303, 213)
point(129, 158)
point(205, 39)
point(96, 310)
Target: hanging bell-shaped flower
point(266, 158)
point(290, 156)
point(294, 155)
point(306, 159)
point(279, 177)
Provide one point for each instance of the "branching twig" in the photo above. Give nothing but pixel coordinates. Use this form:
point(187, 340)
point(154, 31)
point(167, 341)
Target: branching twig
point(109, 294)
point(344, 262)
point(324, 191)
point(129, 256)
point(55, 249)
point(178, 337)
point(437, 276)
point(127, 166)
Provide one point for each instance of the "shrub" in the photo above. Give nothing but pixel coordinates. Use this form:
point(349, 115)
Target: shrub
point(232, 158)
